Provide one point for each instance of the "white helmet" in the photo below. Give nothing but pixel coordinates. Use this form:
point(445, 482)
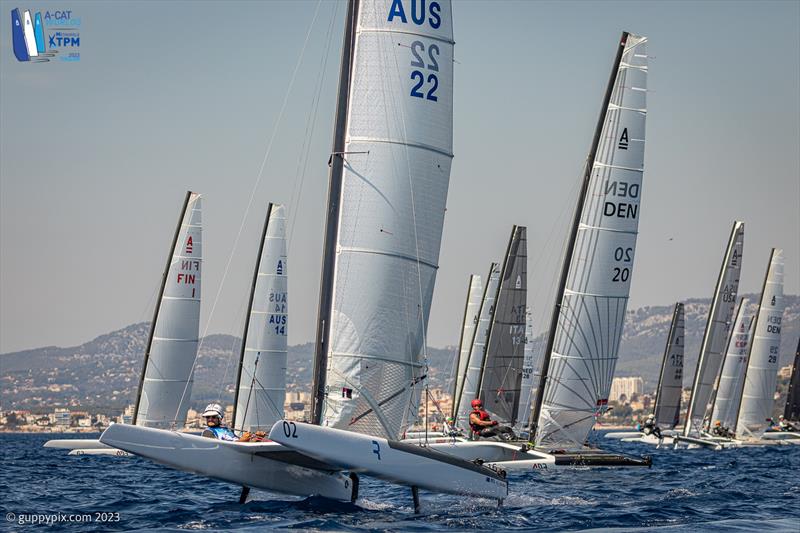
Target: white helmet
point(213, 409)
point(650, 416)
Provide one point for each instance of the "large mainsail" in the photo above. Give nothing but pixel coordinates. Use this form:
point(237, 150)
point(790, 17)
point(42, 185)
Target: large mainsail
point(477, 355)
point(586, 327)
point(165, 386)
point(261, 381)
point(792, 409)
point(670, 382)
point(764, 354)
point(502, 371)
point(382, 250)
point(731, 380)
point(526, 388)
point(720, 318)
point(471, 310)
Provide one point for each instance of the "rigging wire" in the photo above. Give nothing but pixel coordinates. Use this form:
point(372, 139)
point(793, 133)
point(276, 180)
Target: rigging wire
point(250, 201)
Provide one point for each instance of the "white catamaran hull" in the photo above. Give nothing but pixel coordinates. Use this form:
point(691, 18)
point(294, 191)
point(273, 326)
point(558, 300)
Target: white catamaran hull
point(393, 461)
point(520, 457)
point(76, 444)
point(787, 437)
point(267, 465)
point(100, 451)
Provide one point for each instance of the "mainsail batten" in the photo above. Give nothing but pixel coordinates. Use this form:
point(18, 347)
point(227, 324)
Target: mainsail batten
point(261, 382)
point(764, 354)
point(396, 169)
point(720, 318)
point(588, 322)
point(166, 383)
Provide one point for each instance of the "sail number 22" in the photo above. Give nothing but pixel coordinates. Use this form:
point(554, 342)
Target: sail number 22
point(429, 61)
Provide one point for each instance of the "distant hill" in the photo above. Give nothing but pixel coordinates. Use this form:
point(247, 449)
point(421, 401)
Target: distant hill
point(102, 375)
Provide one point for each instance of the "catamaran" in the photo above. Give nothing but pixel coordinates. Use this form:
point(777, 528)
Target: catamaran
point(586, 327)
point(667, 408)
point(165, 384)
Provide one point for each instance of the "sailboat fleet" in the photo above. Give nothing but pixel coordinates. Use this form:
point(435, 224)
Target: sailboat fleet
point(388, 182)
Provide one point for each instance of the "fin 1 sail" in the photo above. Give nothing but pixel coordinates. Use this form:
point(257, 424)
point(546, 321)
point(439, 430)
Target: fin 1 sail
point(165, 386)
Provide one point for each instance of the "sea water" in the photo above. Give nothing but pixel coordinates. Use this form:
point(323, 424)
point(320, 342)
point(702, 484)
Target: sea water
point(747, 489)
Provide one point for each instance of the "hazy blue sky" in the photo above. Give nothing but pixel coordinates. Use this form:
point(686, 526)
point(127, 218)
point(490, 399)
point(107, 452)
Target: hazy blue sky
point(95, 156)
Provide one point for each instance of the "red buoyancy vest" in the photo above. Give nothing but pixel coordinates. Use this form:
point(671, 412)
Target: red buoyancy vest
point(483, 415)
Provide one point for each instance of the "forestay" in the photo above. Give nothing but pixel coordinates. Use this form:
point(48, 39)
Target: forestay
point(670, 382)
point(261, 385)
point(720, 318)
point(477, 355)
point(397, 158)
point(592, 311)
point(166, 384)
point(502, 371)
point(731, 380)
point(762, 364)
point(471, 310)
point(527, 385)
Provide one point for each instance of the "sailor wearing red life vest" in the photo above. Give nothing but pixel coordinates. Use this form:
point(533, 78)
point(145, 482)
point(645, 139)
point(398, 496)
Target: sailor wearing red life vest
point(483, 426)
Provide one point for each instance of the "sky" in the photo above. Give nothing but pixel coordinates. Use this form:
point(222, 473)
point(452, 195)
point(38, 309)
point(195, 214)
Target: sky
point(236, 101)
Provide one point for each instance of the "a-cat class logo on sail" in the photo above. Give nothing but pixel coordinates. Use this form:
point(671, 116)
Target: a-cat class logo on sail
point(40, 38)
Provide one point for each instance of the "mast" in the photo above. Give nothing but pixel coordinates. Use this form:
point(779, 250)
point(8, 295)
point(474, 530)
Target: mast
point(708, 335)
point(249, 310)
point(332, 217)
point(562, 283)
point(158, 306)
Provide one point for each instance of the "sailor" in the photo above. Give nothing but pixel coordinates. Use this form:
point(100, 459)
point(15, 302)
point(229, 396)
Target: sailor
point(721, 431)
point(451, 429)
point(650, 427)
point(785, 425)
point(216, 430)
point(484, 427)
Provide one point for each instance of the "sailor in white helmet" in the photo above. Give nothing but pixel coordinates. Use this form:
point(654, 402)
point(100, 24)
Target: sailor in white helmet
point(215, 429)
point(650, 427)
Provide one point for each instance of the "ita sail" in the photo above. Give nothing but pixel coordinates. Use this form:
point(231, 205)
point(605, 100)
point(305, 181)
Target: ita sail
point(502, 369)
point(471, 310)
point(165, 386)
point(389, 179)
point(477, 355)
point(764, 354)
point(528, 383)
point(720, 319)
point(670, 382)
point(731, 380)
point(586, 326)
point(261, 383)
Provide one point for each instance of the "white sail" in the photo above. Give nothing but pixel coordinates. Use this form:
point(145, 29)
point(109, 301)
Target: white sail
point(262, 380)
point(731, 380)
point(762, 364)
point(528, 378)
point(471, 310)
point(30, 37)
point(592, 311)
point(720, 320)
point(166, 385)
point(397, 158)
point(477, 356)
point(670, 382)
